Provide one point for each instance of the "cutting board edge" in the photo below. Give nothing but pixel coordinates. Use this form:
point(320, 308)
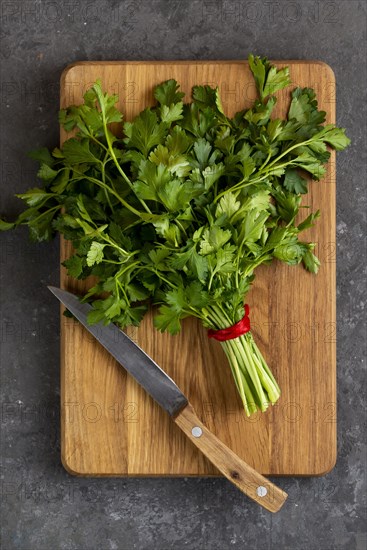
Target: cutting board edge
point(70, 469)
point(77, 64)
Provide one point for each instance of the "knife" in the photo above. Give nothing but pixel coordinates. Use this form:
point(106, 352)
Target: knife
point(168, 395)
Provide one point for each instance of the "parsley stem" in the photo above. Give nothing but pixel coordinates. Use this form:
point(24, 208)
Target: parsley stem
point(110, 148)
point(254, 380)
point(43, 214)
point(252, 399)
point(123, 291)
point(110, 190)
point(249, 363)
point(99, 143)
point(239, 380)
point(238, 186)
point(123, 270)
point(103, 172)
point(160, 276)
point(266, 381)
point(286, 153)
point(180, 226)
point(265, 169)
point(265, 162)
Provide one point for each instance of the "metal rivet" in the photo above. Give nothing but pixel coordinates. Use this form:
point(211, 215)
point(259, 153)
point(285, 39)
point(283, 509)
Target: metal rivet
point(196, 431)
point(261, 491)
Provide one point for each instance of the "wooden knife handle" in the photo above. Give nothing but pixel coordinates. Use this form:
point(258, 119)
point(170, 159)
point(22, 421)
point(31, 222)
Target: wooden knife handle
point(248, 480)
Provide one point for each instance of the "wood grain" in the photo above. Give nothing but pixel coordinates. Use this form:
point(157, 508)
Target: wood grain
point(248, 480)
point(111, 427)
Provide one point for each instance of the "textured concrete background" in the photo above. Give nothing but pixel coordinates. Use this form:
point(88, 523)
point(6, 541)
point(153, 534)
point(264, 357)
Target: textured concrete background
point(43, 507)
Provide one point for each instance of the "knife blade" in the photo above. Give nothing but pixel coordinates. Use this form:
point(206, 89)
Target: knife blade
point(168, 395)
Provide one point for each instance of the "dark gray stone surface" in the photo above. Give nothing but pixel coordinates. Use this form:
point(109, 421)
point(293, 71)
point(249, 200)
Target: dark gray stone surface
point(43, 507)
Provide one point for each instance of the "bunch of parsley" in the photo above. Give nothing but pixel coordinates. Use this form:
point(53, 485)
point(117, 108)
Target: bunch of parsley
point(182, 208)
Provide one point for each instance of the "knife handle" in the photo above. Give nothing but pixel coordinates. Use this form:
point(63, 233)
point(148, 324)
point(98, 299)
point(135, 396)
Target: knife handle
point(248, 480)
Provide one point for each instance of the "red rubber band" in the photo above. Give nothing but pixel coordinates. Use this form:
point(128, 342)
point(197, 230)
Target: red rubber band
point(234, 331)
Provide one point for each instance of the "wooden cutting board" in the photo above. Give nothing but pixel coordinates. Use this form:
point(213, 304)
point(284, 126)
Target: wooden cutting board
point(110, 426)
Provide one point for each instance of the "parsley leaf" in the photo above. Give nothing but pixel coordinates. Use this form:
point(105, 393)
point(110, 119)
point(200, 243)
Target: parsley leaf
point(294, 183)
point(95, 253)
point(145, 132)
point(167, 93)
point(74, 265)
point(268, 79)
point(172, 113)
point(303, 107)
point(310, 261)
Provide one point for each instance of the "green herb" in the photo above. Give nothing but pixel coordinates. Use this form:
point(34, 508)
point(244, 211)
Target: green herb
point(182, 209)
